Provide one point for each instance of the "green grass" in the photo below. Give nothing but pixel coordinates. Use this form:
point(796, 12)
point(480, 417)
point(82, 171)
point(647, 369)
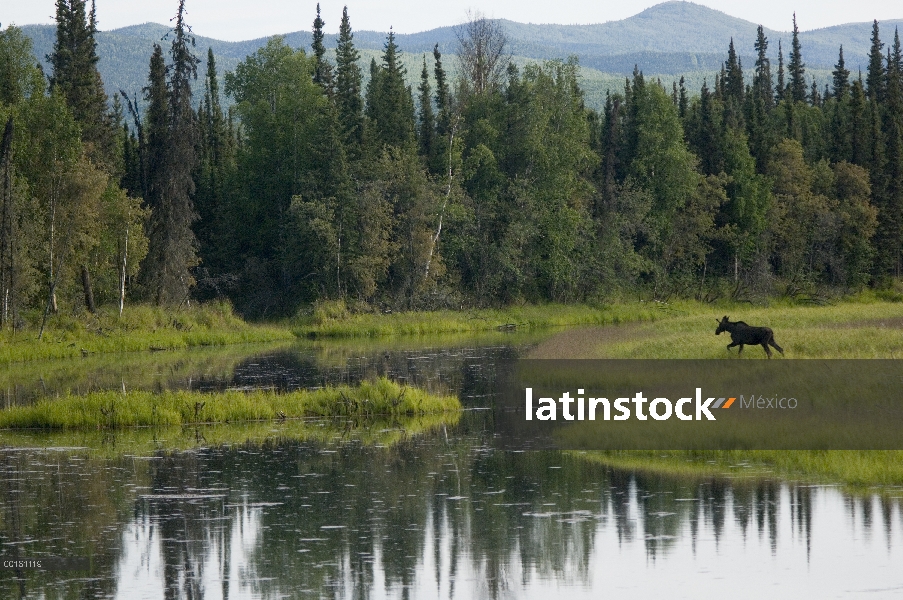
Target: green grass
point(859, 327)
point(851, 468)
point(333, 320)
point(865, 326)
point(140, 328)
point(113, 410)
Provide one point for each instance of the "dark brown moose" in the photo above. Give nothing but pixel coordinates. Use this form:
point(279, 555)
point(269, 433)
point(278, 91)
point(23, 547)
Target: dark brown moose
point(743, 334)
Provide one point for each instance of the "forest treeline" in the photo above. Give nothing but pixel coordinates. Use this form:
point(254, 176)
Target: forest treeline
point(500, 186)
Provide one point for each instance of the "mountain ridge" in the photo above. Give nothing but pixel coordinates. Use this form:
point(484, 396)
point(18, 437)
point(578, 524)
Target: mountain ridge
point(669, 39)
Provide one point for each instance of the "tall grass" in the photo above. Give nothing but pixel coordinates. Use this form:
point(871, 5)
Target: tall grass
point(860, 327)
point(333, 320)
point(140, 328)
point(112, 410)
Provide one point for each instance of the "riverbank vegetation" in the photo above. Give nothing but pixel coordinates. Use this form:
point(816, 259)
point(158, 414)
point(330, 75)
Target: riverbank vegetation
point(333, 319)
point(140, 327)
point(114, 409)
point(494, 189)
point(862, 326)
point(853, 468)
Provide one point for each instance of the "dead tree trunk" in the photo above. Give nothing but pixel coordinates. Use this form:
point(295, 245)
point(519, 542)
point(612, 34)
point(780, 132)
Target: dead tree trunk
point(124, 268)
point(7, 245)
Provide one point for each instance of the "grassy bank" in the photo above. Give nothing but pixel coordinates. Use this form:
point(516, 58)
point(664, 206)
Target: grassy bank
point(332, 320)
point(139, 328)
point(862, 326)
point(112, 410)
point(852, 468)
point(858, 327)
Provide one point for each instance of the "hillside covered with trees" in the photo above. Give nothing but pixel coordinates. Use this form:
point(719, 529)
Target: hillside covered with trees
point(669, 39)
point(491, 186)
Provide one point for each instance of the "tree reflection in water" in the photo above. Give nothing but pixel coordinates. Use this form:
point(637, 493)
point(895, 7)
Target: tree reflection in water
point(423, 518)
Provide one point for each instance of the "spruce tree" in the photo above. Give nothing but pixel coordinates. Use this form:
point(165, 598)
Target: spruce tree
point(427, 121)
point(322, 69)
point(609, 149)
point(720, 80)
point(390, 107)
point(875, 162)
point(443, 97)
point(349, 81)
point(733, 85)
point(762, 78)
point(860, 147)
point(780, 89)
point(759, 102)
point(841, 77)
point(705, 132)
point(172, 247)
point(683, 99)
point(875, 75)
point(796, 68)
point(215, 152)
point(892, 219)
point(75, 75)
point(839, 111)
point(156, 130)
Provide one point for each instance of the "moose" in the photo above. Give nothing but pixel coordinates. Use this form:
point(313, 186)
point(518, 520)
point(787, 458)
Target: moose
point(743, 334)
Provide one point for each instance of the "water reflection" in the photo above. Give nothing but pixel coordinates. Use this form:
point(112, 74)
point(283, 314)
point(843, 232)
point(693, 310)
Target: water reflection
point(429, 518)
point(448, 363)
point(435, 516)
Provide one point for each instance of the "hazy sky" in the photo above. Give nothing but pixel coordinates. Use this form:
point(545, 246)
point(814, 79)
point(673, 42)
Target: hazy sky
point(234, 20)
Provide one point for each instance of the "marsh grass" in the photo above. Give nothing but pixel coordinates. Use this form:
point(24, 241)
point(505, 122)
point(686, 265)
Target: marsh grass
point(860, 327)
point(856, 469)
point(113, 410)
point(338, 322)
point(140, 328)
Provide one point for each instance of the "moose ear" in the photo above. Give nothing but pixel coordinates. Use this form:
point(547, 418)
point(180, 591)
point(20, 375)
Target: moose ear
point(717, 321)
point(725, 318)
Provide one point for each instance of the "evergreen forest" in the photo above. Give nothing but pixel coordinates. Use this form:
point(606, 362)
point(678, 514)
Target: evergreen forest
point(493, 187)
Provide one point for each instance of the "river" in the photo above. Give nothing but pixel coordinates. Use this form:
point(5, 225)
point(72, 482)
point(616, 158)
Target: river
point(440, 513)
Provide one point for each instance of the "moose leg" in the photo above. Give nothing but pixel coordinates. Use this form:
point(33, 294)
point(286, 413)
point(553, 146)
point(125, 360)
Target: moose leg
point(732, 344)
point(767, 350)
point(739, 352)
point(775, 346)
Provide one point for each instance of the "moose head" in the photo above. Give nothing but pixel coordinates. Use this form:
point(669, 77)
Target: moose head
point(722, 325)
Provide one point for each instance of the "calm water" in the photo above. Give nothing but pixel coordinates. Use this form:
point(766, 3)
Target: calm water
point(442, 515)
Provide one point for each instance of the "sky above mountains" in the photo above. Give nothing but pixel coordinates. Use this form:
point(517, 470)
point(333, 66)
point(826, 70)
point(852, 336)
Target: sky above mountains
point(236, 20)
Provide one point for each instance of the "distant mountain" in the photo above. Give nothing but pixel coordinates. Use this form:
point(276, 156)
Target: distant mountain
point(670, 39)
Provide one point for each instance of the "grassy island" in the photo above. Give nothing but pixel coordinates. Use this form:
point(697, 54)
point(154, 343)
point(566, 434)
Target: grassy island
point(112, 410)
